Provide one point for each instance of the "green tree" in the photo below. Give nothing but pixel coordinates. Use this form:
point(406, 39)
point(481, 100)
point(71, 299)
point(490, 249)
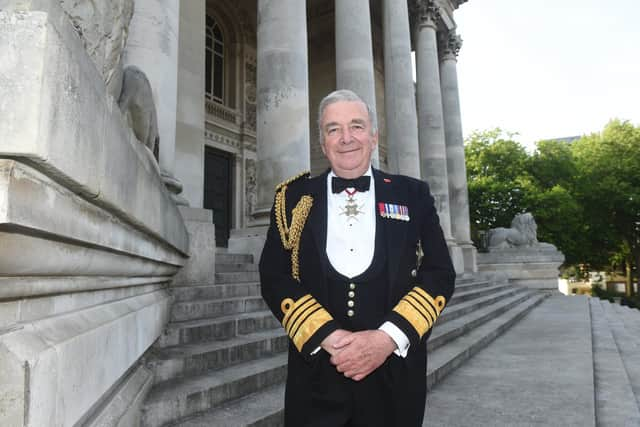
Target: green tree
point(607, 185)
point(495, 166)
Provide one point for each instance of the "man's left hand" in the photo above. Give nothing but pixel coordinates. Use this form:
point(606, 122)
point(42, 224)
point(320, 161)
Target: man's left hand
point(362, 352)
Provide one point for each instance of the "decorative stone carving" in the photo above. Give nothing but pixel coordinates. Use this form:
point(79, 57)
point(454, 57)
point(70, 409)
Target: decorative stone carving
point(103, 27)
point(136, 103)
point(212, 135)
point(251, 191)
point(451, 44)
point(428, 11)
point(523, 232)
point(250, 96)
point(516, 254)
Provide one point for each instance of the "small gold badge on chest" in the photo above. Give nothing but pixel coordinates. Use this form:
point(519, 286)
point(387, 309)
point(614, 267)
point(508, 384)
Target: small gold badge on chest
point(351, 209)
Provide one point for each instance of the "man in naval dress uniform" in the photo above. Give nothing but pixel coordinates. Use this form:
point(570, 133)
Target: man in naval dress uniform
point(340, 270)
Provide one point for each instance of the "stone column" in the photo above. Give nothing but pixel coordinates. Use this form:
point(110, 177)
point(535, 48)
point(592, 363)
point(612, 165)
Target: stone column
point(399, 91)
point(433, 154)
point(153, 47)
point(354, 55)
point(457, 171)
point(283, 96)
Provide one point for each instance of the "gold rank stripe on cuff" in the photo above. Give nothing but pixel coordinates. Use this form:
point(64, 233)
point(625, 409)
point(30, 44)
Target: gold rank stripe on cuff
point(420, 309)
point(303, 318)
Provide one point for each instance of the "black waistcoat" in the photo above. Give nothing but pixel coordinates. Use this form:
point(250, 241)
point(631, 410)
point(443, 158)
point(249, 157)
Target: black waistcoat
point(367, 292)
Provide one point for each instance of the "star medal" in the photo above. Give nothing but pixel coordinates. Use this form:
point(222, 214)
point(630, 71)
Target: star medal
point(351, 209)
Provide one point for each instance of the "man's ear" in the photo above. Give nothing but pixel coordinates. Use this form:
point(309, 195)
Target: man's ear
point(324, 150)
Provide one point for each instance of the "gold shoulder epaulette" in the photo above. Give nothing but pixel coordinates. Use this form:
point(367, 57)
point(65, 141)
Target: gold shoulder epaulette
point(290, 233)
point(292, 179)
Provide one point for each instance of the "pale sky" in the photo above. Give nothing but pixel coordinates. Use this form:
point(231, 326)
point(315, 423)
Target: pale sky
point(548, 68)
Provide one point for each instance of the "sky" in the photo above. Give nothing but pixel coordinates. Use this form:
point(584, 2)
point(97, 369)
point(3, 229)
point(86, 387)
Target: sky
point(548, 68)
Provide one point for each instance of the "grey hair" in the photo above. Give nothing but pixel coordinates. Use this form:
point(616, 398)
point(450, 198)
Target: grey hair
point(339, 96)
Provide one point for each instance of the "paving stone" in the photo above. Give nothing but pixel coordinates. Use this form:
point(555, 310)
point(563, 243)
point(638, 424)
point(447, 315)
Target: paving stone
point(540, 372)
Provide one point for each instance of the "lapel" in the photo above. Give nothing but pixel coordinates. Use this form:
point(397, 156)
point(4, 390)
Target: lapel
point(318, 216)
point(393, 231)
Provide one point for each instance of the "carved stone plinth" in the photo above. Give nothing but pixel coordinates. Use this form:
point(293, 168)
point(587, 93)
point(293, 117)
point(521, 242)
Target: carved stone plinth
point(534, 267)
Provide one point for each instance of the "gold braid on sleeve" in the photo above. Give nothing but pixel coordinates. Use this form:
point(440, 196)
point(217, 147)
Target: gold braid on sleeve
point(291, 234)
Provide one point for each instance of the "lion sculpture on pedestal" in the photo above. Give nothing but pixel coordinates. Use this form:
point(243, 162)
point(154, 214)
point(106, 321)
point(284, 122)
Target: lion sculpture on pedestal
point(103, 28)
point(523, 232)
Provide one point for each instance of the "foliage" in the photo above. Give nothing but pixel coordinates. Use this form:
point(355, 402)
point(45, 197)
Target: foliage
point(494, 168)
point(584, 195)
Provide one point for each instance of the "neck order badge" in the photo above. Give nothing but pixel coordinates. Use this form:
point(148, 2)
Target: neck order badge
point(351, 210)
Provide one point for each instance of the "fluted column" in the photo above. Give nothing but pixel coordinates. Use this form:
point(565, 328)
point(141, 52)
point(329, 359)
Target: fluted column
point(152, 46)
point(456, 169)
point(399, 91)
point(433, 155)
point(354, 52)
point(283, 96)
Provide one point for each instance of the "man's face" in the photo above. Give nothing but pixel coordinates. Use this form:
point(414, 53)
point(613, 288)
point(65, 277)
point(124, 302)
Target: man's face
point(348, 140)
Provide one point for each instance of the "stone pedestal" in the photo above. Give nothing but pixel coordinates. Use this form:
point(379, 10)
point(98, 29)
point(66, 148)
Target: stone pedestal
point(534, 267)
point(200, 267)
point(90, 236)
point(248, 241)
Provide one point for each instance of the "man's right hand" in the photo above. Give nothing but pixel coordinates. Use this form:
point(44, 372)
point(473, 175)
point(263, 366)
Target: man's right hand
point(328, 344)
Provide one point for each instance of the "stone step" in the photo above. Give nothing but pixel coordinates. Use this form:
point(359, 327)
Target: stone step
point(475, 284)
point(237, 277)
point(177, 399)
point(262, 409)
point(235, 267)
point(458, 310)
point(229, 258)
point(628, 345)
point(221, 328)
point(206, 292)
point(241, 412)
point(445, 359)
point(192, 310)
point(195, 359)
point(452, 329)
point(615, 401)
point(631, 319)
point(466, 293)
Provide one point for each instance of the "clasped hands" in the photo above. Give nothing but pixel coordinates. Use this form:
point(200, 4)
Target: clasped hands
point(357, 354)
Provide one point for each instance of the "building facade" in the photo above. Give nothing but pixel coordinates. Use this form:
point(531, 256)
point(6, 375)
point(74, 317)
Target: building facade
point(263, 82)
point(123, 122)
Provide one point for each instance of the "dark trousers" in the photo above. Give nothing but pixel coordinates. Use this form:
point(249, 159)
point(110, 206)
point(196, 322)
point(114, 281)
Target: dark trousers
point(337, 401)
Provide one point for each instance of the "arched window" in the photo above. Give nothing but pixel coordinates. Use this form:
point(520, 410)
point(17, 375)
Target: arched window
point(214, 62)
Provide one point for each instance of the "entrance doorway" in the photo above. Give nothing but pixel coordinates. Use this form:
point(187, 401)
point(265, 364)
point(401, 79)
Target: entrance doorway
point(217, 191)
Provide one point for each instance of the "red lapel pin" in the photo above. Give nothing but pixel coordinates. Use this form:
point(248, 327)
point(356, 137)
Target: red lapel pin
point(387, 180)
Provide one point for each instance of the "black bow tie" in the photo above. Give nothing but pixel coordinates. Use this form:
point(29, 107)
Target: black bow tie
point(360, 184)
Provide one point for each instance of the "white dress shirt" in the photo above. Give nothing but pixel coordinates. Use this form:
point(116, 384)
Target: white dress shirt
point(351, 241)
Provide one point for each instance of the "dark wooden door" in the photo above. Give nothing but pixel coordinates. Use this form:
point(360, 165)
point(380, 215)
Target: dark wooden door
point(217, 191)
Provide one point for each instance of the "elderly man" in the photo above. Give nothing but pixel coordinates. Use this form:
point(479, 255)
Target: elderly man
point(340, 270)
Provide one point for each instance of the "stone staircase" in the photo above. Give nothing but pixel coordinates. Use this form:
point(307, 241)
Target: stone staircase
point(222, 359)
point(616, 363)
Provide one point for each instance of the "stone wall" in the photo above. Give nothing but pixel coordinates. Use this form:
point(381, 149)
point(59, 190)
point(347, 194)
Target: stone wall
point(89, 235)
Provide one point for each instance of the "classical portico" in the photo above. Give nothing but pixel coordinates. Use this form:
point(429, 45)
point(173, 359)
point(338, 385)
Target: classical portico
point(320, 47)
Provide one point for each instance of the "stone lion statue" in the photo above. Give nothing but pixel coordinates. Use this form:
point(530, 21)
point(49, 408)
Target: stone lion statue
point(523, 232)
point(103, 28)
